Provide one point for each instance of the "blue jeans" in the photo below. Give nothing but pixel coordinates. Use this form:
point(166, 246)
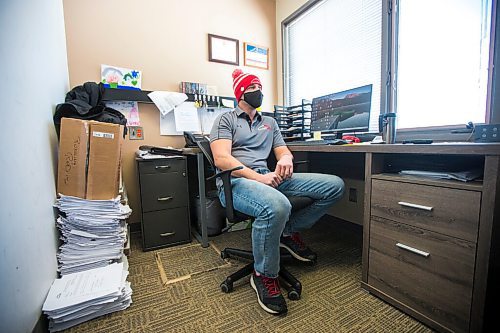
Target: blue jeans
point(272, 211)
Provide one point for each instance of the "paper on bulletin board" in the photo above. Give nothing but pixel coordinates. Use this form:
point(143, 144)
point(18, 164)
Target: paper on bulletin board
point(186, 117)
point(167, 124)
point(207, 117)
point(170, 124)
point(129, 109)
point(202, 123)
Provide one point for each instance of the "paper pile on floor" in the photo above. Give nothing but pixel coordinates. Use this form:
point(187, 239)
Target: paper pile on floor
point(93, 232)
point(78, 297)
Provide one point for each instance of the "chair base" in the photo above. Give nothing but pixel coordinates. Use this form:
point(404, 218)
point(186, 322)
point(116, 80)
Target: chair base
point(288, 281)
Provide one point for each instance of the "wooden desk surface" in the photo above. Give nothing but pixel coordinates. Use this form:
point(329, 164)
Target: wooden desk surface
point(454, 148)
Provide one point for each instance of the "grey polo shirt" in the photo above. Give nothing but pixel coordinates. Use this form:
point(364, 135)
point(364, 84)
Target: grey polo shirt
point(252, 141)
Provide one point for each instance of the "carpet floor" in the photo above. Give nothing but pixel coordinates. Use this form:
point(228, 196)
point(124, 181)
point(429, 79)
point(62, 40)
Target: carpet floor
point(177, 289)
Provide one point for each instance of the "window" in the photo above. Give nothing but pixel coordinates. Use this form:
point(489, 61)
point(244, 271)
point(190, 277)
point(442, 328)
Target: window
point(439, 56)
point(442, 64)
point(332, 46)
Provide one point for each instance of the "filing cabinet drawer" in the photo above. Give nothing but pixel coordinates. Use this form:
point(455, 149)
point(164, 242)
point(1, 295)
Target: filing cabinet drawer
point(453, 212)
point(162, 165)
point(426, 271)
point(165, 228)
point(163, 191)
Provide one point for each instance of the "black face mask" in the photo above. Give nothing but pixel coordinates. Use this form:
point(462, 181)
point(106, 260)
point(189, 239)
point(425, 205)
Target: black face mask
point(254, 98)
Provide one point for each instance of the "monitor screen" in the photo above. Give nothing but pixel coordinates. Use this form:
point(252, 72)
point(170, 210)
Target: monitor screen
point(345, 111)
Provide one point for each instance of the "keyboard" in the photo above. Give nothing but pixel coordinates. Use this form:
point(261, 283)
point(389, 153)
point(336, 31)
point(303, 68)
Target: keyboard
point(317, 142)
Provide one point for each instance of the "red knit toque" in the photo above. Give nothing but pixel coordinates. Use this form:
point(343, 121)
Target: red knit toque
point(241, 81)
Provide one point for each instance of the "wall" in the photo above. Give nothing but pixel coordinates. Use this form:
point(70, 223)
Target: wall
point(35, 79)
point(284, 8)
point(168, 41)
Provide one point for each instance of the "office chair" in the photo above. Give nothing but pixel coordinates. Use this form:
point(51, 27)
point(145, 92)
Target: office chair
point(288, 281)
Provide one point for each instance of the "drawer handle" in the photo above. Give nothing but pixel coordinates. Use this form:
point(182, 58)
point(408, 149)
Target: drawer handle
point(412, 205)
point(166, 234)
point(162, 167)
point(412, 249)
point(165, 198)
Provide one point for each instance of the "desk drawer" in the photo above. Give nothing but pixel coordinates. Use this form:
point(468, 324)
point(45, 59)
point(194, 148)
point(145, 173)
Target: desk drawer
point(162, 166)
point(163, 191)
point(165, 228)
point(438, 285)
point(453, 212)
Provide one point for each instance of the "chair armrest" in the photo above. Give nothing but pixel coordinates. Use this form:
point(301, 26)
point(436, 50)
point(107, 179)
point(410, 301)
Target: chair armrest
point(225, 176)
point(296, 163)
point(222, 173)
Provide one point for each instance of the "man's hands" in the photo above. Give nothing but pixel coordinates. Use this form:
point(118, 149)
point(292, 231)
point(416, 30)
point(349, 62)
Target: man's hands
point(284, 170)
point(284, 167)
point(271, 179)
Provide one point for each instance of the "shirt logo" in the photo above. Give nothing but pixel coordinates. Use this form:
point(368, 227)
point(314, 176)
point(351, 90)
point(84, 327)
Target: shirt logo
point(264, 127)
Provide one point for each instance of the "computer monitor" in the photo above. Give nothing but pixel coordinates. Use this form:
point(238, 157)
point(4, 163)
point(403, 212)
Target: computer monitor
point(342, 112)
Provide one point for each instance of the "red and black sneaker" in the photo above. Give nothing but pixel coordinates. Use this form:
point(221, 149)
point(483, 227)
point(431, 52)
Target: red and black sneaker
point(269, 294)
point(297, 248)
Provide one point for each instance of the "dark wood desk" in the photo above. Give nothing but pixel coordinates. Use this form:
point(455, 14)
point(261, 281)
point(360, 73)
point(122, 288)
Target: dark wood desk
point(427, 243)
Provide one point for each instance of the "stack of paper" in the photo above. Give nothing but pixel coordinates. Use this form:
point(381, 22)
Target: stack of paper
point(464, 176)
point(93, 232)
point(82, 296)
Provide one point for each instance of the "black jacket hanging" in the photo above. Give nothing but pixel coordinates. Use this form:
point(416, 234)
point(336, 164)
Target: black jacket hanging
point(85, 102)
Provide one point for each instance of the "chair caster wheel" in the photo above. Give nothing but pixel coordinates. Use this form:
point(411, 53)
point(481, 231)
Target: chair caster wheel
point(226, 287)
point(293, 295)
point(312, 263)
point(224, 255)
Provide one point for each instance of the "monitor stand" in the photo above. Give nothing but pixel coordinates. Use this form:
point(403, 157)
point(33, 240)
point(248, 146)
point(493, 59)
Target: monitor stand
point(330, 136)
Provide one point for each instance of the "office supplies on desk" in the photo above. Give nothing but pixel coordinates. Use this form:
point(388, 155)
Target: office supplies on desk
point(418, 141)
point(351, 138)
point(294, 121)
point(161, 150)
point(318, 142)
point(192, 139)
point(387, 126)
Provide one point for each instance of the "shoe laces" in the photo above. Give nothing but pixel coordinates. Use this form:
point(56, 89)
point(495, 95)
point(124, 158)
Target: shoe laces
point(298, 240)
point(272, 285)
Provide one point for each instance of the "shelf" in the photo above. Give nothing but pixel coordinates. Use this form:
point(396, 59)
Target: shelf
point(141, 96)
point(294, 122)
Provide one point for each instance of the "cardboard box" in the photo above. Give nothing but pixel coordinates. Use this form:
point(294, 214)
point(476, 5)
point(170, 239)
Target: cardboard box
point(89, 159)
point(103, 175)
point(72, 165)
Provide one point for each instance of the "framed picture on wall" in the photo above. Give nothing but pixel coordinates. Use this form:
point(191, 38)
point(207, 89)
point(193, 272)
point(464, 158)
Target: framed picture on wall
point(223, 49)
point(256, 56)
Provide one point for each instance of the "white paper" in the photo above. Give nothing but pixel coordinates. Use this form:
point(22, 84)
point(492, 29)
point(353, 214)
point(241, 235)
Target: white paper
point(228, 103)
point(129, 109)
point(80, 287)
point(186, 117)
point(167, 124)
point(207, 117)
point(166, 101)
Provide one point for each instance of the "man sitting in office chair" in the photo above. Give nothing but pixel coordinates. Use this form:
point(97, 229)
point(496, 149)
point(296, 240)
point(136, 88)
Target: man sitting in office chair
point(243, 137)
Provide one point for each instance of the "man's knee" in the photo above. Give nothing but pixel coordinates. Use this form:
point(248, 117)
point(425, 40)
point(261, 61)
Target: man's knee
point(336, 186)
point(279, 208)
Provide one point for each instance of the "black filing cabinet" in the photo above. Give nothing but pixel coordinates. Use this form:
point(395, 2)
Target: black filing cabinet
point(164, 202)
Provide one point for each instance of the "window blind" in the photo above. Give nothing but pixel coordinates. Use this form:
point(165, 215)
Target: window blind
point(334, 46)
